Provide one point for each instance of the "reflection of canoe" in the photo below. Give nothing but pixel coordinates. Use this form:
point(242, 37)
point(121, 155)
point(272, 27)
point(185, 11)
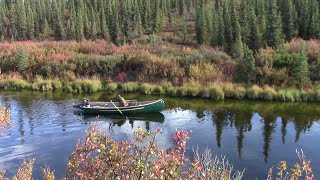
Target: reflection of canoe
point(113, 108)
point(119, 120)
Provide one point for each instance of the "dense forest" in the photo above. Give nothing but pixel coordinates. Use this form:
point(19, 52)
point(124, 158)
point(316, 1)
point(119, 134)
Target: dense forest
point(225, 23)
point(187, 43)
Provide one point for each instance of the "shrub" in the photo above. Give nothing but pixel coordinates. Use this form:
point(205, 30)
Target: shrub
point(203, 72)
point(100, 156)
point(301, 169)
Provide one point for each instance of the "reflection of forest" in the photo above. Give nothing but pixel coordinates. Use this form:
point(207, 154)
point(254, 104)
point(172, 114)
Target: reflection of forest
point(240, 116)
point(31, 110)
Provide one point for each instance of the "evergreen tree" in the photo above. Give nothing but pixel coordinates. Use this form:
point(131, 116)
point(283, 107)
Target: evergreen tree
point(2, 26)
point(274, 36)
point(22, 60)
point(200, 23)
point(238, 46)
point(287, 19)
point(221, 28)
point(182, 7)
point(21, 20)
point(300, 69)
point(254, 35)
point(137, 19)
point(314, 30)
point(304, 18)
point(156, 16)
point(47, 32)
point(79, 25)
point(261, 18)
point(104, 26)
point(228, 31)
point(93, 30)
point(246, 66)
point(244, 21)
point(57, 21)
point(30, 23)
point(12, 31)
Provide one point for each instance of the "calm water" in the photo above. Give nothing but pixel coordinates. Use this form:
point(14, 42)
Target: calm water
point(253, 135)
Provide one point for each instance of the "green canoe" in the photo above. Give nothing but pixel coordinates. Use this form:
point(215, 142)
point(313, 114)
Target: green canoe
point(133, 107)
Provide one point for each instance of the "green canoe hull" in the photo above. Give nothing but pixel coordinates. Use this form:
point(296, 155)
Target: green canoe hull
point(142, 107)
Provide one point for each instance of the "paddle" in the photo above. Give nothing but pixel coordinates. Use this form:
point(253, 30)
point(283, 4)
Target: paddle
point(116, 107)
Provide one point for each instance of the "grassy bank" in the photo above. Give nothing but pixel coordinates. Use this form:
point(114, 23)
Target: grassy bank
point(214, 91)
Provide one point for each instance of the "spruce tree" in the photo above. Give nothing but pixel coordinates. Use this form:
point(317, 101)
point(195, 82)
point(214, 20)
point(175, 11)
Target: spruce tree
point(304, 18)
point(254, 35)
point(200, 23)
point(228, 31)
point(246, 66)
point(22, 60)
point(12, 32)
point(21, 19)
point(156, 16)
point(274, 36)
point(244, 20)
point(221, 28)
point(314, 28)
point(182, 7)
point(2, 27)
point(79, 26)
point(287, 19)
point(93, 30)
point(237, 51)
point(104, 26)
point(300, 69)
point(57, 21)
point(30, 23)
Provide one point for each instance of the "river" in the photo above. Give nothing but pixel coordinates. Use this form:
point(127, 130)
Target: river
point(252, 135)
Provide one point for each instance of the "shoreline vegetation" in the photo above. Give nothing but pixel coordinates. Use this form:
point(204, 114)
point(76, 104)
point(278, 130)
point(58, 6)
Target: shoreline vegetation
point(212, 91)
point(162, 69)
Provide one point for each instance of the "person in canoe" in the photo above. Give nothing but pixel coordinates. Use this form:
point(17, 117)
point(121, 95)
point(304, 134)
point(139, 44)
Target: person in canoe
point(122, 102)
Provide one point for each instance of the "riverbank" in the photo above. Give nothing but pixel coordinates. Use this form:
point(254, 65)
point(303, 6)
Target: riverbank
point(215, 91)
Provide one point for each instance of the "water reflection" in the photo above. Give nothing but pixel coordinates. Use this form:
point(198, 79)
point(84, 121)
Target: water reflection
point(252, 134)
point(119, 120)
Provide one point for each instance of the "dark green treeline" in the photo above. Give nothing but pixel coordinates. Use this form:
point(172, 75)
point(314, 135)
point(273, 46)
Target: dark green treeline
point(231, 24)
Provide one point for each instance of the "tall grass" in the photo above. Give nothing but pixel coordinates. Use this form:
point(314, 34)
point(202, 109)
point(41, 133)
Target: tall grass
point(79, 86)
point(46, 85)
point(147, 88)
point(253, 92)
point(111, 87)
point(14, 83)
point(268, 94)
point(216, 92)
point(130, 87)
